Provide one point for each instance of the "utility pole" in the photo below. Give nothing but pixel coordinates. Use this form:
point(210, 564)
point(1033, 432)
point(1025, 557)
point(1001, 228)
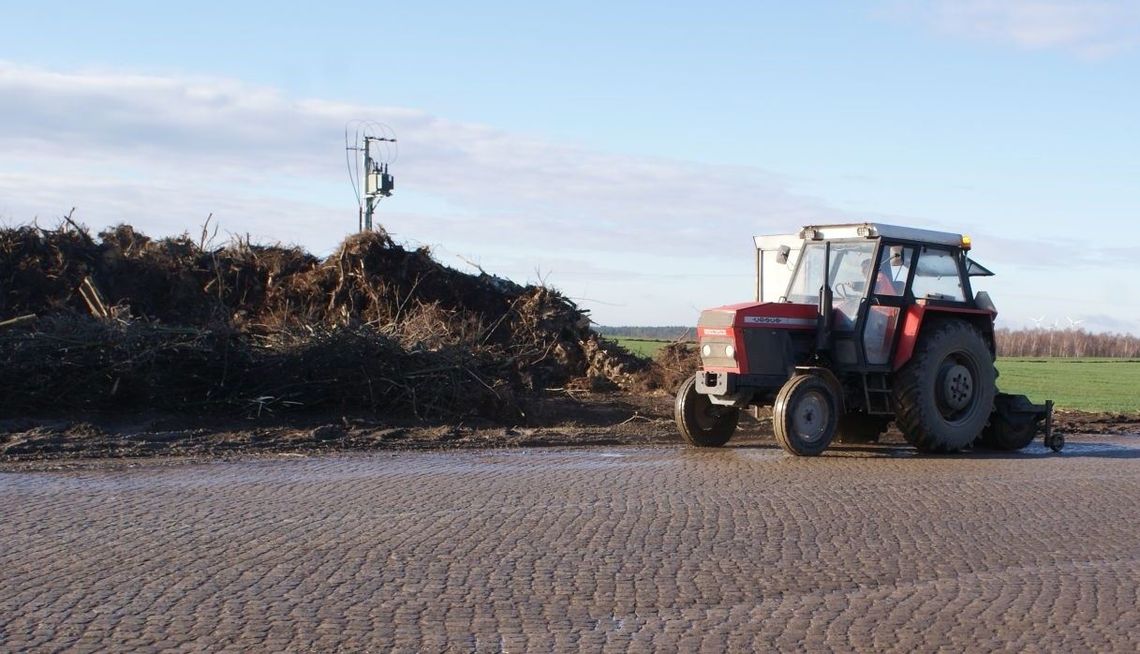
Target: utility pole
point(377, 181)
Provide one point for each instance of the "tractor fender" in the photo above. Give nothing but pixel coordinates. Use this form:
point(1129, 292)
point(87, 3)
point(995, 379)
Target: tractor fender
point(829, 377)
point(919, 315)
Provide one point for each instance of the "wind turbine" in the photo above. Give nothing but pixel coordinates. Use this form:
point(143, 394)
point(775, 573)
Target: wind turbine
point(1037, 321)
point(1073, 323)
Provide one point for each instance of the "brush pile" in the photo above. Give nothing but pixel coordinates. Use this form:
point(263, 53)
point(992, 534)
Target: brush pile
point(123, 322)
point(672, 365)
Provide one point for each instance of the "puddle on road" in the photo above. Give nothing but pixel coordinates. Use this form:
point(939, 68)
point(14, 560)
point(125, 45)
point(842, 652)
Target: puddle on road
point(1079, 448)
point(363, 465)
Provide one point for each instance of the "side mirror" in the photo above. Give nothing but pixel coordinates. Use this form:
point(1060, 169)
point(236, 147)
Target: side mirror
point(897, 256)
point(782, 254)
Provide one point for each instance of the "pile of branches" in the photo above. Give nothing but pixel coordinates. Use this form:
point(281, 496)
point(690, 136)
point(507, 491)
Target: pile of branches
point(79, 364)
point(123, 321)
point(672, 365)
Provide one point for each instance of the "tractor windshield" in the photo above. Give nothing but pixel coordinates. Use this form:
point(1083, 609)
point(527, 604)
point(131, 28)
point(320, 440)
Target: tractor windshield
point(848, 277)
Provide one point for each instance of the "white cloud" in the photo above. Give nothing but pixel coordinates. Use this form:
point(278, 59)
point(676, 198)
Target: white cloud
point(1086, 28)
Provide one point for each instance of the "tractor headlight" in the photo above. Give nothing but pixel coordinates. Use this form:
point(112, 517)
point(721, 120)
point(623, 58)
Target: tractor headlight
point(729, 351)
point(706, 350)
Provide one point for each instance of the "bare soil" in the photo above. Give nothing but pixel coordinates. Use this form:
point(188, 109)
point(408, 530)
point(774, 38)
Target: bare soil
point(1081, 422)
point(568, 418)
point(562, 419)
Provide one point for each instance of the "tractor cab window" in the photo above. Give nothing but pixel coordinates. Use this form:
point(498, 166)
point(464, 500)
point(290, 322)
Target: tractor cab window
point(937, 276)
point(894, 268)
point(847, 276)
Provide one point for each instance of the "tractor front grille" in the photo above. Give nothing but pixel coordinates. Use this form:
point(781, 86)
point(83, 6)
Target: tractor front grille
point(718, 358)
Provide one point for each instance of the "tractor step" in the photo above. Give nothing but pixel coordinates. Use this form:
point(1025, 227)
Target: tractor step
point(877, 394)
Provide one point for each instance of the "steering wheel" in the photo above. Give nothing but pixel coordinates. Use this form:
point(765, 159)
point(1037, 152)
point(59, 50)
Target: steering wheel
point(844, 290)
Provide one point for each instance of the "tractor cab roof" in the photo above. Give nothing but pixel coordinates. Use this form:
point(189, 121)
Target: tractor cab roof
point(877, 230)
point(777, 254)
point(849, 231)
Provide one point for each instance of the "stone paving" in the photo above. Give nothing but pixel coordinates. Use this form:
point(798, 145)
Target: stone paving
point(620, 549)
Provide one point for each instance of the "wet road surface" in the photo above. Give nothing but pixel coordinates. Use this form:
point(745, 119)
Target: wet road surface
point(619, 549)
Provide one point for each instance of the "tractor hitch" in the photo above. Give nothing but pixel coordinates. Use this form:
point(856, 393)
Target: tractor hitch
point(1015, 421)
point(1055, 442)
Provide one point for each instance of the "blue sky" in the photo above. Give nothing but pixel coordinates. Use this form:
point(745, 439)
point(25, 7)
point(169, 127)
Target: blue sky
point(622, 152)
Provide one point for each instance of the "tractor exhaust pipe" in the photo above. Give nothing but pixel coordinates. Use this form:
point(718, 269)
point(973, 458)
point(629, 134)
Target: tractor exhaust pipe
point(824, 319)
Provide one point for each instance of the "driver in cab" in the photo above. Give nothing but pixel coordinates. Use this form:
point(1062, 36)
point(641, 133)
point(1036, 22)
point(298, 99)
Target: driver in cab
point(883, 283)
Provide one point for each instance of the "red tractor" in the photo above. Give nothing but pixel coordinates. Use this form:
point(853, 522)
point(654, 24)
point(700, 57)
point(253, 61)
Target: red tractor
point(873, 323)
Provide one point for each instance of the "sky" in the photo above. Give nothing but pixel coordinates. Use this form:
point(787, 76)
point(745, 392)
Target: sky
point(624, 153)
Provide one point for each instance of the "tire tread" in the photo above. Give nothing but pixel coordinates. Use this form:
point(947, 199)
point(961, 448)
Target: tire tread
point(913, 407)
point(685, 404)
point(784, 436)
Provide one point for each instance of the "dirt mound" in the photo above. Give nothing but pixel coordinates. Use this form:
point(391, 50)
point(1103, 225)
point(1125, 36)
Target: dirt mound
point(184, 326)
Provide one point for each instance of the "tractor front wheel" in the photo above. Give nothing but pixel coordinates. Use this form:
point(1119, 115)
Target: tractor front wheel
point(702, 423)
point(945, 393)
point(805, 415)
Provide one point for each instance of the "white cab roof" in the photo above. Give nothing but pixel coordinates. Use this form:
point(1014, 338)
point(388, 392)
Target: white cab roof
point(865, 230)
point(871, 230)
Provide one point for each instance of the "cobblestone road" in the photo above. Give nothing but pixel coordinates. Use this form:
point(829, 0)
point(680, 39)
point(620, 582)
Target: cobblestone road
point(597, 549)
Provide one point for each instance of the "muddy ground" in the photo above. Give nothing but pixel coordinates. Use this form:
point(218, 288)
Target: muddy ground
point(563, 419)
point(584, 418)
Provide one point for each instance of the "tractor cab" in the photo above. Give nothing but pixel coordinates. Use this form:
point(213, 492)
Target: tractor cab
point(875, 274)
point(858, 302)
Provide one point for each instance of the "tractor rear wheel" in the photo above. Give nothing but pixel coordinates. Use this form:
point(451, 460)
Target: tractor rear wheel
point(805, 415)
point(945, 393)
point(861, 428)
point(702, 423)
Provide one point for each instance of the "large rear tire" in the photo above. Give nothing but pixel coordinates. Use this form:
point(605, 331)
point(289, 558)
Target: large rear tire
point(944, 395)
point(702, 423)
point(805, 415)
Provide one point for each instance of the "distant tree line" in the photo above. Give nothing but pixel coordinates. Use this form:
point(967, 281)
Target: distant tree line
point(1066, 343)
point(670, 333)
point(1011, 342)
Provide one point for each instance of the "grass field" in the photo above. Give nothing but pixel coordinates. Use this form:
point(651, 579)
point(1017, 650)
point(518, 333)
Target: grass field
point(642, 347)
point(1082, 384)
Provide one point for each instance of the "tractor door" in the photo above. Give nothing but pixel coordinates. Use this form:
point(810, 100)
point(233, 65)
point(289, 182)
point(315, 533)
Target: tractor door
point(886, 300)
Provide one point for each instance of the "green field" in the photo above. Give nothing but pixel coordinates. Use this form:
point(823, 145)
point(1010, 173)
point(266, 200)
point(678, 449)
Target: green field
point(642, 347)
point(1082, 384)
